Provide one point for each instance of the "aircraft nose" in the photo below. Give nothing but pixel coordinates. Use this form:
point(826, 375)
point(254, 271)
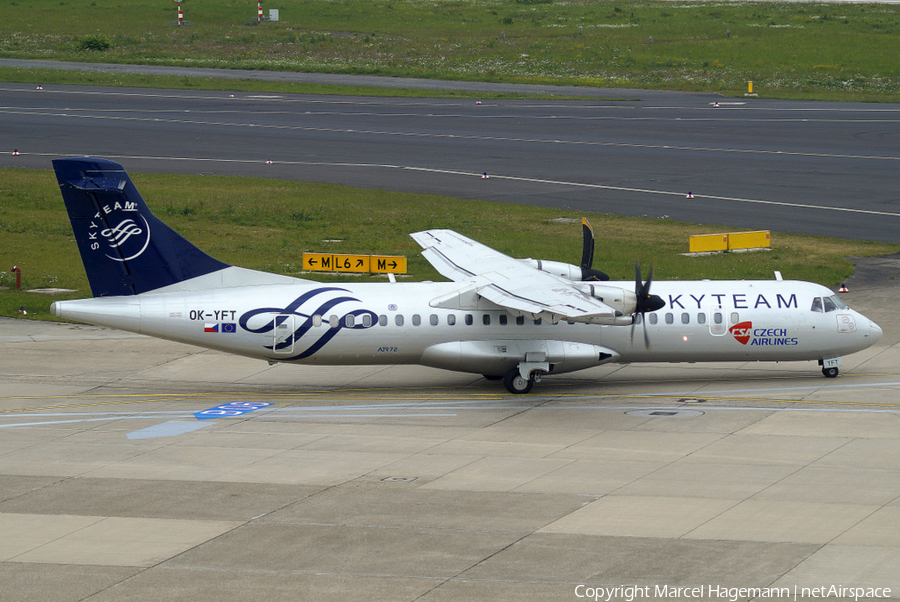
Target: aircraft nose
point(875, 332)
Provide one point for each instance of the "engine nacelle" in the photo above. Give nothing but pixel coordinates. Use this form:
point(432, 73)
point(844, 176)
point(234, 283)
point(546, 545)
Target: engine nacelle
point(620, 299)
point(557, 268)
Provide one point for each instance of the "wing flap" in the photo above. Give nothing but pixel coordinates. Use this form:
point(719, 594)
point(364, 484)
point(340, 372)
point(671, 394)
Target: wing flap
point(509, 282)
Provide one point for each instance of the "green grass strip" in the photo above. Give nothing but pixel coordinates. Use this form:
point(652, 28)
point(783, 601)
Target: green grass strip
point(788, 49)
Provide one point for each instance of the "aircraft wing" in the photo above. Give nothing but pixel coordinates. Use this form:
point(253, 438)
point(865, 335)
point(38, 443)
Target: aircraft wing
point(509, 282)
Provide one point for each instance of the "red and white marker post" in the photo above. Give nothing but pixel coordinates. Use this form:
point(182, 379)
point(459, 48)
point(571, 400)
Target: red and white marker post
point(18, 272)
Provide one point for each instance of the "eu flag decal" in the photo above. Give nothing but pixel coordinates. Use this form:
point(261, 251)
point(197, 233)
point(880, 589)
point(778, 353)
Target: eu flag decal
point(229, 327)
point(230, 410)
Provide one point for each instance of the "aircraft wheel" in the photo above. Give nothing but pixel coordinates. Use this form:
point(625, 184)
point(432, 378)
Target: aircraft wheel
point(516, 384)
point(830, 372)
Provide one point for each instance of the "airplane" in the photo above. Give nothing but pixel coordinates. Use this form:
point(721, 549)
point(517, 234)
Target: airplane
point(515, 320)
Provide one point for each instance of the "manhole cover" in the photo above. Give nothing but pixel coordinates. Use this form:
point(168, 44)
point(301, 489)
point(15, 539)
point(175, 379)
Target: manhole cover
point(665, 413)
point(399, 479)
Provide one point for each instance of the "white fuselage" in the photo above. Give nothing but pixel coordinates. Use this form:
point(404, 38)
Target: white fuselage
point(446, 325)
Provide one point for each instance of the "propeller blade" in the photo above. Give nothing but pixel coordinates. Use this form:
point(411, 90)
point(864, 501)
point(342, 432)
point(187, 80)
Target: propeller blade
point(587, 247)
point(637, 278)
point(645, 301)
point(646, 336)
point(587, 254)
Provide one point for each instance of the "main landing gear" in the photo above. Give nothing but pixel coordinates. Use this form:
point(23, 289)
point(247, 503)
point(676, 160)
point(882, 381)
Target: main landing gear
point(830, 372)
point(521, 379)
point(516, 383)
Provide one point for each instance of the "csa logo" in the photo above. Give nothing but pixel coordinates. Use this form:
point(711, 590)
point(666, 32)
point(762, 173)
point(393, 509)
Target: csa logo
point(745, 334)
point(741, 332)
point(127, 236)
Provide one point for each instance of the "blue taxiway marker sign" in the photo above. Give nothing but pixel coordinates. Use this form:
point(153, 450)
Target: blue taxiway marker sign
point(230, 410)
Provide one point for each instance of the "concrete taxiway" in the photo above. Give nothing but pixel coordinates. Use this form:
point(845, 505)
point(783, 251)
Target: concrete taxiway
point(406, 483)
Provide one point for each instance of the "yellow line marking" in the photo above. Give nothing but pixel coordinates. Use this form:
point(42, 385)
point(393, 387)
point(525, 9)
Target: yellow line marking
point(401, 394)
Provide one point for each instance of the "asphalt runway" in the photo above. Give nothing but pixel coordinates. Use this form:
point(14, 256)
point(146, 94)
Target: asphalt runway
point(119, 478)
point(750, 163)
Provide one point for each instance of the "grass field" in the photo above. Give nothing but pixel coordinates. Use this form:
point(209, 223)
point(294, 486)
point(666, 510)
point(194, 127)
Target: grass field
point(790, 50)
point(288, 218)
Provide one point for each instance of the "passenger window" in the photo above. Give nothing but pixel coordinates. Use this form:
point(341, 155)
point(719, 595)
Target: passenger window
point(382, 320)
point(398, 320)
point(735, 318)
point(638, 318)
point(670, 318)
point(685, 318)
point(349, 320)
point(701, 318)
point(486, 319)
point(433, 319)
point(718, 317)
point(317, 320)
point(520, 321)
point(653, 318)
point(333, 321)
point(502, 319)
point(451, 319)
point(829, 304)
point(469, 320)
point(538, 322)
point(416, 320)
point(367, 320)
point(817, 305)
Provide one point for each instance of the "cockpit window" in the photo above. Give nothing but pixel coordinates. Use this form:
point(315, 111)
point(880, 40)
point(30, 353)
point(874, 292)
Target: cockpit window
point(828, 304)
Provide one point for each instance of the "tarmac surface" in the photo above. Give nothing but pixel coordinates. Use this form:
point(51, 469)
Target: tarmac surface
point(406, 483)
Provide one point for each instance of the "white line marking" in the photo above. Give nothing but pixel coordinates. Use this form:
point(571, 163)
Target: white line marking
point(679, 194)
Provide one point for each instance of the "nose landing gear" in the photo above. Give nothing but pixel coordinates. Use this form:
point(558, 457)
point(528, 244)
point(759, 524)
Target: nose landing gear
point(830, 366)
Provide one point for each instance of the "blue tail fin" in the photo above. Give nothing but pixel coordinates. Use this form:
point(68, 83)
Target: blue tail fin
point(125, 249)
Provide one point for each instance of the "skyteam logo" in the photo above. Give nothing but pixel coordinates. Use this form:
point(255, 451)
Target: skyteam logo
point(304, 313)
point(745, 334)
point(119, 231)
